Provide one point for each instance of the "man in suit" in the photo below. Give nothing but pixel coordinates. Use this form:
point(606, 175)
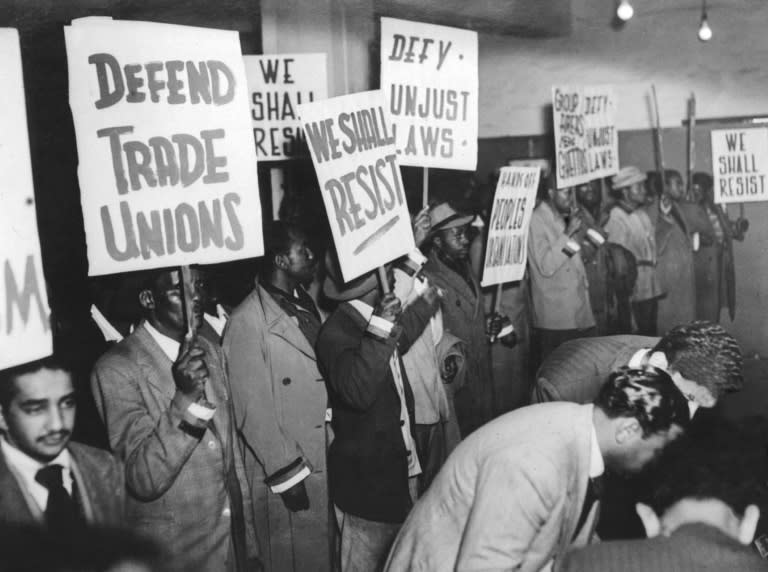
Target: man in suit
point(449, 269)
point(166, 404)
point(280, 404)
point(516, 493)
point(674, 249)
point(700, 513)
point(703, 360)
point(44, 477)
point(373, 453)
point(559, 290)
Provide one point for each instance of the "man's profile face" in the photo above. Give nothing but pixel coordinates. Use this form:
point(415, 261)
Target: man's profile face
point(635, 194)
point(455, 242)
point(562, 199)
point(168, 302)
point(300, 262)
point(675, 189)
point(640, 452)
point(695, 393)
point(588, 194)
point(41, 414)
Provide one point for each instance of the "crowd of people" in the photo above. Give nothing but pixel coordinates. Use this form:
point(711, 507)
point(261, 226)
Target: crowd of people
point(319, 424)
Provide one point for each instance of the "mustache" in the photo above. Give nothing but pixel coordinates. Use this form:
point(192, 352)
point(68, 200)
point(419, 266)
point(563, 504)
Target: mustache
point(58, 435)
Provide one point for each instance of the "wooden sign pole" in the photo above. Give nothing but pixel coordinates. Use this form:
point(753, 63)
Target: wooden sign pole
point(189, 301)
point(383, 279)
point(425, 187)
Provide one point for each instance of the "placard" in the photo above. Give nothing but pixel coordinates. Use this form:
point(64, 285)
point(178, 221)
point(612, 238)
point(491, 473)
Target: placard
point(352, 143)
point(506, 251)
point(167, 158)
point(740, 165)
point(430, 79)
point(25, 332)
point(278, 84)
point(586, 140)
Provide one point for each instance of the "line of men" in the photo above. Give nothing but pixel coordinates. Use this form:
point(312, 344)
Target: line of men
point(648, 261)
point(224, 445)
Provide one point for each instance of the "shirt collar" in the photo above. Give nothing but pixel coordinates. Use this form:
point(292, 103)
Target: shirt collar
point(169, 346)
point(365, 310)
point(28, 466)
point(596, 463)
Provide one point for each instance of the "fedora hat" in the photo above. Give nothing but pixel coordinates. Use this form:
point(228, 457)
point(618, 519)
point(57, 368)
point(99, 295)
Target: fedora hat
point(627, 176)
point(443, 216)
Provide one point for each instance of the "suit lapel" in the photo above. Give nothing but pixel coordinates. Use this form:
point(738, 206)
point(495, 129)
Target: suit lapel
point(281, 325)
point(14, 506)
point(155, 365)
point(458, 284)
point(577, 487)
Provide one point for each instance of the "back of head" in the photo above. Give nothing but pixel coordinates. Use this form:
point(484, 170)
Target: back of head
point(648, 395)
point(705, 353)
point(715, 460)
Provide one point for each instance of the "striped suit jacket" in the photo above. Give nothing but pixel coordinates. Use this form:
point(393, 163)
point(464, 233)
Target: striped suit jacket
point(577, 369)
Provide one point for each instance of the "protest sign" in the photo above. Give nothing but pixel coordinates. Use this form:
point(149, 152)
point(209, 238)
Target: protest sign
point(352, 144)
point(278, 84)
point(430, 80)
point(167, 158)
point(586, 140)
point(506, 251)
point(25, 333)
point(740, 165)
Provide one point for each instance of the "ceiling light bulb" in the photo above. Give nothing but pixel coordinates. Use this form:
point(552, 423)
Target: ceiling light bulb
point(625, 10)
point(705, 32)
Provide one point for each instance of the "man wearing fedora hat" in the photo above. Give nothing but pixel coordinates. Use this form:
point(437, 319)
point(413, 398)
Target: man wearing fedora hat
point(448, 268)
point(373, 454)
point(630, 226)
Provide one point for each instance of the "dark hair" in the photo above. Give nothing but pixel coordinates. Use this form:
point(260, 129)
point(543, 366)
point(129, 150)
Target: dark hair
point(705, 353)
point(277, 241)
point(703, 180)
point(715, 459)
point(648, 395)
point(8, 376)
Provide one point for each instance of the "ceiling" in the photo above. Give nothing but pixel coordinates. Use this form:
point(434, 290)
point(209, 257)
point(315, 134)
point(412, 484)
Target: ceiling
point(528, 18)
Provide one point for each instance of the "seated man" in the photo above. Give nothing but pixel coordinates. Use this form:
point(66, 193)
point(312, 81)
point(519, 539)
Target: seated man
point(702, 358)
point(700, 514)
point(519, 491)
point(44, 477)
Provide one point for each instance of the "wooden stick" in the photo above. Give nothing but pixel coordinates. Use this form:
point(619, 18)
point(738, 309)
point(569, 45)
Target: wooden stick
point(497, 298)
point(383, 279)
point(189, 301)
point(425, 187)
point(691, 144)
point(659, 144)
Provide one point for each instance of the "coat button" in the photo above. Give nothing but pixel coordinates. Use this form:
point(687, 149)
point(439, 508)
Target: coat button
point(286, 381)
point(402, 422)
point(458, 302)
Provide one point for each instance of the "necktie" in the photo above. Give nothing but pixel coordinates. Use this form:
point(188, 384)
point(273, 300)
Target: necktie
point(594, 491)
point(61, 512)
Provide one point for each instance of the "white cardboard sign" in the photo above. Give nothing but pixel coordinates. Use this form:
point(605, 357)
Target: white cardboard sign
point(429, 75)
point(25, 333)
point(740, 165)
point(506, 252)
point(167, 158)
point(278, 84)
point(352, 143)
point(586, 140)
